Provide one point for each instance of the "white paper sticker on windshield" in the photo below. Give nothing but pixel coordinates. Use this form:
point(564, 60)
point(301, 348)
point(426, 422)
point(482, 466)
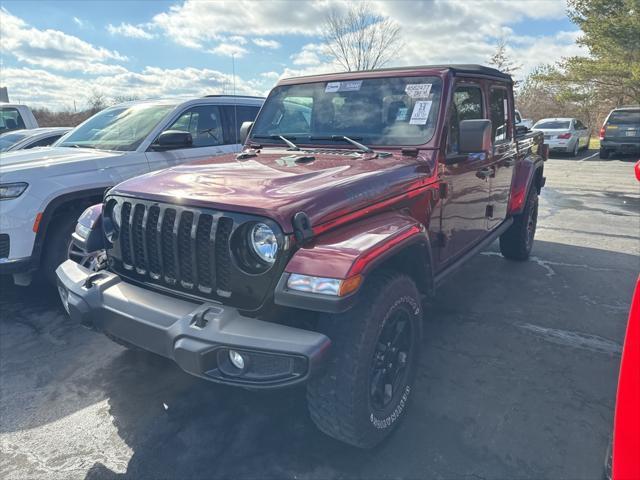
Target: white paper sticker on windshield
point(350, 86)
point(418, 90)
point(420, 113)
point(506, 109)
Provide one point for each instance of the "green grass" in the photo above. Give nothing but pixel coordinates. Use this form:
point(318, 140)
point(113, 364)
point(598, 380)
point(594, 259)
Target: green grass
point(594, 144)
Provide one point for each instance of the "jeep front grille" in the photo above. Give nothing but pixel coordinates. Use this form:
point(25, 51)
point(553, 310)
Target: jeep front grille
point(187, 250)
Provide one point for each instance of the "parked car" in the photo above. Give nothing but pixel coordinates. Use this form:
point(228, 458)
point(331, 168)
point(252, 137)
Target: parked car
point(620, 132)
point(568, 135)
point(40, 206)
point(524, 122)
point(27, 139)
point(622, 456)
point(15, 117)
point(306, 257)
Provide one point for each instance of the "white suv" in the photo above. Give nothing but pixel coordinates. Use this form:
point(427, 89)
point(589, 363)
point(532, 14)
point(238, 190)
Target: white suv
point(42, 192)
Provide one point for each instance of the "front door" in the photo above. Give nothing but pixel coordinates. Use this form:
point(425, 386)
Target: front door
point(505, 153)
point(204, 122)
point(463, 218)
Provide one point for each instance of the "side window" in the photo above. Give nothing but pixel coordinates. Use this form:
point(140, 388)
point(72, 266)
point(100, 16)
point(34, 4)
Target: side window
point(467, 105)
point(499, 114)
point(203, 122)
point(43, 142)
point(236, 115)
point(10, 119)
point(579, 125)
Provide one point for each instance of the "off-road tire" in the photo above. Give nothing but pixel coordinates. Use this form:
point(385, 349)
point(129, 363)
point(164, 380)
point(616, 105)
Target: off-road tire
point(517, 241)
point(56, 247)
point(604, 154)
point(339, 398)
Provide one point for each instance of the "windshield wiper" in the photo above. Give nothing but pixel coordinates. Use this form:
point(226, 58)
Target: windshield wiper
point(362, 148)
point(292, 146)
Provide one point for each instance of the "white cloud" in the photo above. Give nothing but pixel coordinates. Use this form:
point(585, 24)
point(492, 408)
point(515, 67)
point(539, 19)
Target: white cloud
point(54, 49)
point(229, 50)
point(264, 43)
point(131, 31)
point(310, 54)
point(37, 87)
point(270, 75)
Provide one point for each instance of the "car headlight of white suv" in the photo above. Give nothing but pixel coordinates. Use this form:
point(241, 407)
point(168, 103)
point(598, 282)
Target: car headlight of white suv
point(12, 190)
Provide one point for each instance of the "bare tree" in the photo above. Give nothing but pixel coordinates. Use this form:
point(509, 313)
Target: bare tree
point(361, 39)
point(97, 101)
point(501, 60)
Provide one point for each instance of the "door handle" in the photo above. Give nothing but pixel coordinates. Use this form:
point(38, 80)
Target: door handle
point(485, 172)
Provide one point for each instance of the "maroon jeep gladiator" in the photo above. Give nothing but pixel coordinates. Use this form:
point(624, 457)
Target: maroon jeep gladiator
point(307, 257)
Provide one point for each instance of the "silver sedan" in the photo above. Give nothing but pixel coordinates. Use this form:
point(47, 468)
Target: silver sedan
point(568, 135)
point(31, 138)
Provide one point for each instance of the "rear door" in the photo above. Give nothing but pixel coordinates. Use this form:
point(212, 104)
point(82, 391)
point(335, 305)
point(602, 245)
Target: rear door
point(504, 153)
point(205, 124)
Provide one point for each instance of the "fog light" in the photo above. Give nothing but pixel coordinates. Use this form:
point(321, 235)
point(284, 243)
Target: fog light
point(236, 359)
point(64, 297)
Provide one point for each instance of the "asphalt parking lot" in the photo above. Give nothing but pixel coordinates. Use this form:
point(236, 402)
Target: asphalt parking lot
point(517, 379)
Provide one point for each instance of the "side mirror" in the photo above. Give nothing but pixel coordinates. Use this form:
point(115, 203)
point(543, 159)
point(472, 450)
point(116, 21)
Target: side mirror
point(172, 140)
point(475, 136)
point(244, 131)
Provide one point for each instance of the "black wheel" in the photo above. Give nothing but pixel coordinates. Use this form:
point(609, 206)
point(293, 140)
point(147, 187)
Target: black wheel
point(363, 393)
point(517, 241)
point(58, 239)
point(604, 154)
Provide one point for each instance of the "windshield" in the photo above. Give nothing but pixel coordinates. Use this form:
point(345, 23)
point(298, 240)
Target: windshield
point(7, 140)
point(120, 128)
point(557, 125)
point(624, 116)
point(377, 111)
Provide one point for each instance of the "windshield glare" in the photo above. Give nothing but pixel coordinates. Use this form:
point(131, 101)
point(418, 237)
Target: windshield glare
point(377, 111)
point(553, 125)
point(120, 128)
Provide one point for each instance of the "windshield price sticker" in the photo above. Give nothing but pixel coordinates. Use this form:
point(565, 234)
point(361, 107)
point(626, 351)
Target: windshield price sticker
point(418, 90)
point(351, 86)
point(420, 113)
point(506, 109)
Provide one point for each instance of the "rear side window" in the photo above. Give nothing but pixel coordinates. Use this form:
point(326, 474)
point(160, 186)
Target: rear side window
point(43, 142)
point(624, 116)
point(467, 105)
point(499, 114)
point(10, 119)
point(235, 116)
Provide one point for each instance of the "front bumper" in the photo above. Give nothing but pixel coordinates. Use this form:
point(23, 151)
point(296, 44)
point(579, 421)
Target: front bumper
point(196, 336)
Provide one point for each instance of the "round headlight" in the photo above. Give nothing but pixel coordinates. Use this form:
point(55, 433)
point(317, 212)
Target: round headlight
point(116, 214)
point(264, 242)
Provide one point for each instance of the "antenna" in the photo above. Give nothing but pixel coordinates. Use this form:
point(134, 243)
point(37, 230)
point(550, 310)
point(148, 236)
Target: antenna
point(235, 103)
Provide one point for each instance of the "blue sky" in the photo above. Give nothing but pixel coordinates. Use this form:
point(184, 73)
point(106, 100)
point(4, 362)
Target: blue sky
point(59, 51)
